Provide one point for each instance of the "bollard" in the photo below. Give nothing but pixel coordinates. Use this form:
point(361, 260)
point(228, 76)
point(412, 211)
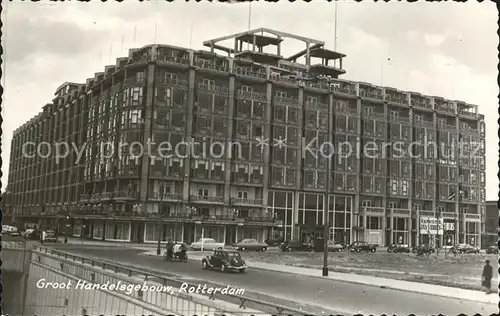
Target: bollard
point(65, 240)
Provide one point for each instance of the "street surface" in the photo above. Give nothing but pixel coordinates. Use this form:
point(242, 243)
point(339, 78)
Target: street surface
point(343, 297)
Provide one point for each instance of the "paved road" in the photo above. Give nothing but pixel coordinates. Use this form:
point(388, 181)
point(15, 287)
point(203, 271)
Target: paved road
point(343, 297)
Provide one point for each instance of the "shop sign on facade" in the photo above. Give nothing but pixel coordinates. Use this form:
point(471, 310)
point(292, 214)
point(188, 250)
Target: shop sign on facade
point(431, 226)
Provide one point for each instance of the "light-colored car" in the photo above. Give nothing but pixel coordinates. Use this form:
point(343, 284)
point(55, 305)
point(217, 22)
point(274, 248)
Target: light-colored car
point(206, 244)
point(250, 244)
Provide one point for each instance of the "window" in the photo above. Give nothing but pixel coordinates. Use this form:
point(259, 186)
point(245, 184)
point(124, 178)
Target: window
point(246, 88)
point(281, 94)
point(311, 99)
point(258, 130)
point(258, 110)
point(208, 82)
point(394, 115)
point(242, 128)
point(242, 194)
point(341, 106)
point(292, 115)
point(392, 205)
point(279, 113)
point(202, 192)
point(367, 111)
point(136, 95)
point(366, 203)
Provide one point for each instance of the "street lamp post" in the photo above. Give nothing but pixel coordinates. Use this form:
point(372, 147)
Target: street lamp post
point(326, 202)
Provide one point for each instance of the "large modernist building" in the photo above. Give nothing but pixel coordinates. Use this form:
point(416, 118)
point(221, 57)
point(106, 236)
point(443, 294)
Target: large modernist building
point(273, 115)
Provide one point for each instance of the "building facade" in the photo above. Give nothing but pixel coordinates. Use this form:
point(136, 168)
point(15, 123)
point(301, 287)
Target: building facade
point(491, 215)
point(246, 135)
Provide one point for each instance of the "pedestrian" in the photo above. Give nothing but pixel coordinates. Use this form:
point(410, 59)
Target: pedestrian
point(487, 275)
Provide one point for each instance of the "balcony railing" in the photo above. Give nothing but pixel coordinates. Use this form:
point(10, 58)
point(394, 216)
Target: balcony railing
point(448, 215)
point(126, 194)
point(473, 216)
point(211, 66)
point(427, 213)
point(213, 88)
point(251, 95)
point(400, 211)
point(210, 199)
point(249, 73)
point(247, 201)
point(343, 88)
point(323, 85)
point(421, 103)
point(396, 98)
point(287, 80)
point(467, 114)
point(173, 60)
point(286, 100)
point(377, 210)
point(84, 196)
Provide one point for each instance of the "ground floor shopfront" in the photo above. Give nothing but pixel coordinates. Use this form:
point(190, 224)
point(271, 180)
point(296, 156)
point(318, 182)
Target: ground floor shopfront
point(151, 232)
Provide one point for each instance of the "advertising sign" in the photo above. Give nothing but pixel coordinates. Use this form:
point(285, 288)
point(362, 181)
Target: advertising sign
point(431, 226)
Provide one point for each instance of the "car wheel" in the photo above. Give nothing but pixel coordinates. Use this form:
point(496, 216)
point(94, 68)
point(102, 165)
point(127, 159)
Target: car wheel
point(358, 250)
point(388, 250)
point(373, 250)
point(242, 249)
point(288, 249)
point(204, 265)
point(242, 270)
point(222, 268)
point(263, 249)
point(407, 250)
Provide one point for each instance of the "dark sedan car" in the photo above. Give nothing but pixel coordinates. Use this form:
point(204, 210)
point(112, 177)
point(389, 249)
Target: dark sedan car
point(295, 245)
point(423, 248)
point(398, 248)
point(359, 246)
point(465, 249)
point(250, 244)
point(224, 260)
point(493, 249)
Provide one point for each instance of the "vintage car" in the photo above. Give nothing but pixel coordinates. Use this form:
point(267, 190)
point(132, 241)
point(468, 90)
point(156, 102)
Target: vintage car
point(398, 248)
point(224, 260)
point(423, 248)
point(250, 244)
point(206, 244)
point(493, 249)
point(295, 245)
point(465, 249)
point(359, 246)
point(336, 247)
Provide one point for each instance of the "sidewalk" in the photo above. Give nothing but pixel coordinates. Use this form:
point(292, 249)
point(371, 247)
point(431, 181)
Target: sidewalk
point(415, 287)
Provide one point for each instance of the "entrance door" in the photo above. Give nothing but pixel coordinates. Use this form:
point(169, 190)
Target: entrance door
point(188, 233)
point(230, 235)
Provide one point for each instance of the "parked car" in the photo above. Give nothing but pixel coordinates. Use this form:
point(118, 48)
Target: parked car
point(359, 246)
point(250, 244)
point(493, 249)
point(274, 242)
point(224, 260)
point(206, 244)
point(336, 247)
point(465, 249)
point(50, 236)
point(295, 245)
point(398, 248)
point(32, 234)
point(424, 248)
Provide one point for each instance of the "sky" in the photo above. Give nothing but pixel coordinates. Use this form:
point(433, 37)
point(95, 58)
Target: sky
point(446, 49)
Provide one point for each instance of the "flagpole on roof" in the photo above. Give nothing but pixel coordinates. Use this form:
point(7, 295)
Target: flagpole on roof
point(335, 32)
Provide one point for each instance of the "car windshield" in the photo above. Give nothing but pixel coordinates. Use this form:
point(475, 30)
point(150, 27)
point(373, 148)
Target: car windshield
point(51, 233)
point(232, 255)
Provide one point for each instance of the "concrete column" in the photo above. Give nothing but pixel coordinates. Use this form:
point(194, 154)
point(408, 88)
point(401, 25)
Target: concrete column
point(409, 229)
point(227, 171)
point(130, 232)
point(189, 125)
point(148, 115)
point(182, 232)
point(267, 136)
point(224, 236)
point(298, 174)
point(104, 227)
point(391, 236)
point(194, 233)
